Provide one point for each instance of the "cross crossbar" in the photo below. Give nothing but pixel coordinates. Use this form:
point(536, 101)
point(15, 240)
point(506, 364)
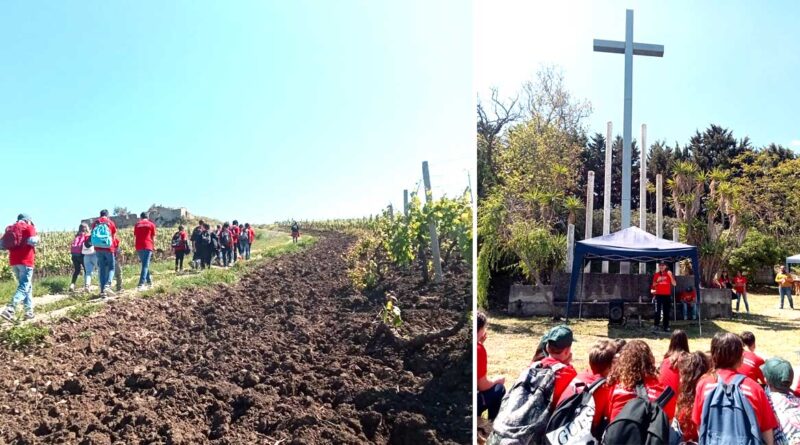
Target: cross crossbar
point(618, 47)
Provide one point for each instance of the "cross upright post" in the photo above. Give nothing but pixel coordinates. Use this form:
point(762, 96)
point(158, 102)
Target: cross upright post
point(629, 48)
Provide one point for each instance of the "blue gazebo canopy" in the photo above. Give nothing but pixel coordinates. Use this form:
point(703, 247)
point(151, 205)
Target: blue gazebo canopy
point(635, 245)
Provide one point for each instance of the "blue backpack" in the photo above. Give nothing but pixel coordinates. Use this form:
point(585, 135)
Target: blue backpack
point(728, 417)
point(101, 236)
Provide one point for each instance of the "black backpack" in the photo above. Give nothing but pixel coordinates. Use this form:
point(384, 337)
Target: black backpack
point(204, 239)
point(225, 238)
point(525, 409)
point(571, 422)
point(176, 240)
point(641, 422)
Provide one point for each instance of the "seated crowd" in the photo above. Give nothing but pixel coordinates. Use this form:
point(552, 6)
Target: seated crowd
point(727, 395)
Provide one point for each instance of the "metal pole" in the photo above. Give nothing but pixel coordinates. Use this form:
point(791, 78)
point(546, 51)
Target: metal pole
point(405, 202)
point(643, 189)
point(589, 212)
point(607, 190)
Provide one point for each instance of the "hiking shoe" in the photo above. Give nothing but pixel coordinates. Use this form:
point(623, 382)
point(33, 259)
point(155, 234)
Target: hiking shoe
point(29, 316)
point(72, 287)
point(8, 315)
point(108, 290)
point(140, 288)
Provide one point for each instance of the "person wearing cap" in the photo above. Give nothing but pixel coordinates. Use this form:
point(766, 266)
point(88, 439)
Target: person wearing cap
point(786, 405)
point(557, 347)
point(663, 281)
point(490, 391)
point(21, 259)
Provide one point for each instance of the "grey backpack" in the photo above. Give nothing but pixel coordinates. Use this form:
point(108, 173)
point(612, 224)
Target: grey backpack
point(525, 409)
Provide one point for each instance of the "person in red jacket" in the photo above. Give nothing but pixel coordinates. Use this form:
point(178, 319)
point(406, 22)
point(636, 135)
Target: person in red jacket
point(20, 239)
point(103, 234)
point(144, 234)
point(751, 363)
point(662, 290)
point(634, 366)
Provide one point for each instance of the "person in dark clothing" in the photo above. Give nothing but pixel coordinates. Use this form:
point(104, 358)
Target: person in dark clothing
point(204, 247)
point(194, 238)
point(226, 244)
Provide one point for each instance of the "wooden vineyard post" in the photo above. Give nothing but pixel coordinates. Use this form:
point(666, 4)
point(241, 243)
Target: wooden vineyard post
point(405, 203)
point(437, 259)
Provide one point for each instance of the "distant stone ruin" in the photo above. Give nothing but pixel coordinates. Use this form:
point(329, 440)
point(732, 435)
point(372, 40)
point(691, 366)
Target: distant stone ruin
point(162, 216)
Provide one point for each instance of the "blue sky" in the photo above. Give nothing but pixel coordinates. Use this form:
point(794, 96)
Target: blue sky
point(733, 63)
point(254, 111)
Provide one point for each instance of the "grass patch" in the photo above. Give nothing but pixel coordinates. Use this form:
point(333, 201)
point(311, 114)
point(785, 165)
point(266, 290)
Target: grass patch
point(62, 303)
point(511, 341)
point(24, 336)
point(82, 310)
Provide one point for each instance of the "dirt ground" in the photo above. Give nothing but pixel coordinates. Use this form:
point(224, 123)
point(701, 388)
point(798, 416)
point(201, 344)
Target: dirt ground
point(288, 355)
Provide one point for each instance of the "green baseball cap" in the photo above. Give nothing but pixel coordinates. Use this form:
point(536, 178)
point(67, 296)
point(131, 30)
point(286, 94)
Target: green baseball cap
point(559, 337)
point(778, 373)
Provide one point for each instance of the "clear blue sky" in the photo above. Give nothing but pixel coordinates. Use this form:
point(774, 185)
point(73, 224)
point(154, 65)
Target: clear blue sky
point(733, 63)
point(255, 111)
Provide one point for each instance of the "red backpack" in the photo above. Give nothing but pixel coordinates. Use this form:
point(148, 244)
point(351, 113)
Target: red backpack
point(14, 237)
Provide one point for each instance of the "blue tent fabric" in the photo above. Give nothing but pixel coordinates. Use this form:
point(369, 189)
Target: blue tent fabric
point(795, 259)
point(631, 244)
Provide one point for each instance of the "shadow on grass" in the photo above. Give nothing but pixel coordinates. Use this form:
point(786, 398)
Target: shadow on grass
point(709, 327)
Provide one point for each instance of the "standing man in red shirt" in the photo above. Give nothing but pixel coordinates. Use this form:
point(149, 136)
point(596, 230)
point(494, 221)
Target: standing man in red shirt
point(104, 232)
point(144, 234)
point(251, 235)
point(662, 290)
point(740, 287)
point(20, 240)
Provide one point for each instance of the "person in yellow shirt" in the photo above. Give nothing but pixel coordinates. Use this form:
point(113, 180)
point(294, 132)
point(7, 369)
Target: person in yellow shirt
point(785, 283)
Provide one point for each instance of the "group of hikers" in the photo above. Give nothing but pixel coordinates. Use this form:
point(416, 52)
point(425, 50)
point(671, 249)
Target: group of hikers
point(729, 395)
point(738, 287)
point(97, 247)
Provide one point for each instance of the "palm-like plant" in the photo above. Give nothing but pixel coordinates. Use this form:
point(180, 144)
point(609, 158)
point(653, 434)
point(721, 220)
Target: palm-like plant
point(573, 205)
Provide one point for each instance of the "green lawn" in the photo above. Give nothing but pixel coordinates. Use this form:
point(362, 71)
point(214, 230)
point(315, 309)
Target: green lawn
point(512, 341)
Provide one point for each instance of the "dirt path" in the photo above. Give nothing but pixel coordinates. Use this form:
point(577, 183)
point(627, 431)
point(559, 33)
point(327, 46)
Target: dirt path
point(284, 356)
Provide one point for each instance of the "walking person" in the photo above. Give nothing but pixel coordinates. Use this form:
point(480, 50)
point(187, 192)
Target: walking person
point(226, 244)
point(740, 287)
point(119, 260)
point(180, 245)
point(89, 263)
point(663, 281)
point(195, 264)
point(76, 252)
point(251, 238)
point(234, 228)
point(785, 283)
point(217, 248)
point(104, 232)
point(295, 231)
point(20, 240)
point(144, 234)
point(244, 243)
point(210, 244)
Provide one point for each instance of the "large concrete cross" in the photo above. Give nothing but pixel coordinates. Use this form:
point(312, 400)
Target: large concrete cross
point(630, 49)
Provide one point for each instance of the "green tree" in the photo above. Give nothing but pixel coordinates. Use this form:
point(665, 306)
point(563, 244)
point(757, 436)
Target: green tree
point(716, 148)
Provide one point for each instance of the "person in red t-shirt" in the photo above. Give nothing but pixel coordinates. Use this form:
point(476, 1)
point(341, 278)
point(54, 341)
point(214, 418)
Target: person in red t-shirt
point(251, 236)
point(144, 233)
point(22, 258)
point(601, 357)
point(557, 347)
point(181, 248)
point(751, 363)
point(726, 353)
point(692, 367)
point(235, 232)
point(490, 392)
point(740, 287)
point(662, 290)
point(635, 365)
point(106, 261)
point(668, 371)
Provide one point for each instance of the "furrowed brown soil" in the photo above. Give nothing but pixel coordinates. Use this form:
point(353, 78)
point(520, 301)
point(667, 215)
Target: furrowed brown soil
point(287, 355)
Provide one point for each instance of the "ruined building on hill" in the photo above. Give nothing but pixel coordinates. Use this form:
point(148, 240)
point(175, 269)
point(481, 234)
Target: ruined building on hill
point(162, 216)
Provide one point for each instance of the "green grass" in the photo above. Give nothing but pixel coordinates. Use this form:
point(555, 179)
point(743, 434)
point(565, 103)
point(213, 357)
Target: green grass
point(511, 341)
point(24, 336)
point(82, 310)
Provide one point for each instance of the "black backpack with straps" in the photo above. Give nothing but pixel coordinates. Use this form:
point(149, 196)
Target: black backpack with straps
point(641, 422)
point(571, 422)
